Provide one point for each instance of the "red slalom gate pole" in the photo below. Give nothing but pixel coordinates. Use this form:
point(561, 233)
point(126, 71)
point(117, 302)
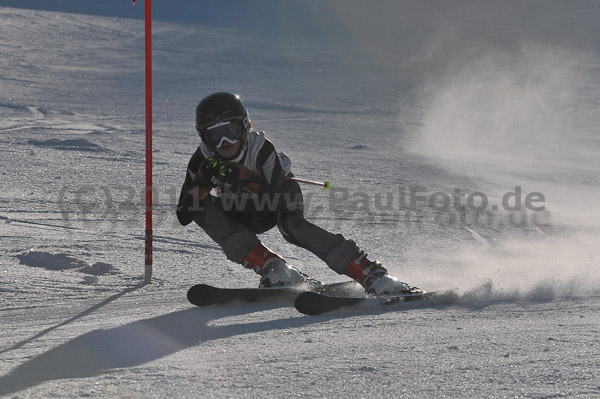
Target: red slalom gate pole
point(148, 235)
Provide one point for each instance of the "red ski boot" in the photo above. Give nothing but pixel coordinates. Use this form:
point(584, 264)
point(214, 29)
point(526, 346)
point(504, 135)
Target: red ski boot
point(272, 268)
point(374, 277)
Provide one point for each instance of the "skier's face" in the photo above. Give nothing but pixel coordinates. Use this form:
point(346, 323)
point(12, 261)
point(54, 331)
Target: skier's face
point(228, 150)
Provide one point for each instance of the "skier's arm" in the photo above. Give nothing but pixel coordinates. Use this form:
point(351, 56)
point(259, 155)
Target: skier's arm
point(187, 208)
point(269, 180)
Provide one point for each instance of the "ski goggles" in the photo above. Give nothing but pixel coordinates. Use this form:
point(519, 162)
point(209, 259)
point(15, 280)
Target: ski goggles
point(226, 131)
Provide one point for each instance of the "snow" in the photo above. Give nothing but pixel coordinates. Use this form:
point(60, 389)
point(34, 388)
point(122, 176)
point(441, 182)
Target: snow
point(424, 97)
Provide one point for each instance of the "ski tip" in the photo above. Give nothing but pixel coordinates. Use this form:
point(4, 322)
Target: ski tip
point(200, 295)
point(308, 303)
point(312, 303)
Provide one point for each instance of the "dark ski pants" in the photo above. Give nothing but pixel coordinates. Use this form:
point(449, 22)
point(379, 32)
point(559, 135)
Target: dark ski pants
point(235, 228)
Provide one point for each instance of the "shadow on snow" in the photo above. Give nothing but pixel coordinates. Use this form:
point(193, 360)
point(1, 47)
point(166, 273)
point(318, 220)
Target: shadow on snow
point(135, 343)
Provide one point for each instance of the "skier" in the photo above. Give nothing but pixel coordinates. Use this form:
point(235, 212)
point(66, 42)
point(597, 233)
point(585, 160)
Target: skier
point(253, 193)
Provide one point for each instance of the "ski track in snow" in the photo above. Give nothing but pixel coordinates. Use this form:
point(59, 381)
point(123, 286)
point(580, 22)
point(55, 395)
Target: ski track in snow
point(518, 312)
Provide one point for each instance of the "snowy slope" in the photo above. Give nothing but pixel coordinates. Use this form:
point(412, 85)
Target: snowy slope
point(381, 99)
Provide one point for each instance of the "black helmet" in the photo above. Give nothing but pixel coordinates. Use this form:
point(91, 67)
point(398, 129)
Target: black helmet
point(222, 116)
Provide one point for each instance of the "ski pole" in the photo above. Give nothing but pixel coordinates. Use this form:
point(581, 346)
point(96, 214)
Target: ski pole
point(326, 184)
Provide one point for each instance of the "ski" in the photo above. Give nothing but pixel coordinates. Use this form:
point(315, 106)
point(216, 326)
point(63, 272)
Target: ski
point(205, 295)
point(314, 303)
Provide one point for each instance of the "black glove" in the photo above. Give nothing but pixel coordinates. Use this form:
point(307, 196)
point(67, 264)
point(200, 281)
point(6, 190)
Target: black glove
point(213, 173)
point(207, 173)
point(240, 177)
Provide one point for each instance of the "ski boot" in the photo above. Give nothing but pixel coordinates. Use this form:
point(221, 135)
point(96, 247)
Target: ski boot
point(374, 277)
point(273, 269)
